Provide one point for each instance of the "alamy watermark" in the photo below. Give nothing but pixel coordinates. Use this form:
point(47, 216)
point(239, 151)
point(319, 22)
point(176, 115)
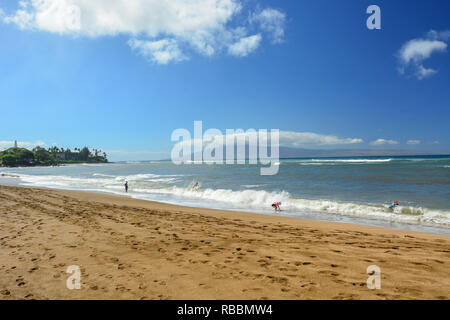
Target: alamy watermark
point(374, 20)
point(374, 280)
point(74, 281)
point(236, 146)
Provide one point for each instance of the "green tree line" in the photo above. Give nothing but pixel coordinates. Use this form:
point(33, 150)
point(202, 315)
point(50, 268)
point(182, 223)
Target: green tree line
point(14, 157)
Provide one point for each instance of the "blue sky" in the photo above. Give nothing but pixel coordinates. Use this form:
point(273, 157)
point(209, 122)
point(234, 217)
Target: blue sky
point(123, 81)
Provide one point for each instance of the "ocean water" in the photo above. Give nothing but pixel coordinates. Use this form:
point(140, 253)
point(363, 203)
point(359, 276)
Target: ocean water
point(353, 190)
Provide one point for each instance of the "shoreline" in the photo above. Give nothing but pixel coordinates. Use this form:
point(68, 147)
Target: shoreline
point(6, 179)
point(137, 249)
point(88, 195)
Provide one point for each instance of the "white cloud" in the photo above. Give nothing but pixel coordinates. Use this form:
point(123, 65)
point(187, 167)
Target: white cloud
point(423, 72)
point(435, 142)
point(418, 50)
point(271, 21)
point(436, 35)
point(380, 142)
point(112, 17)
point(413, 142)
point(161, 51)
point(176, 26)
point(305, 139)
point(121, 155)
point(414, 52)
point(245, 46)
point(287, 139)
point(23, 144)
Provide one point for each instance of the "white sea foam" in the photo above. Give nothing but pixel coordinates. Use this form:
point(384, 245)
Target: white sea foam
point(330, 162)
point(157, 187)
point(100, 180)
point(62, 181)
point(149, 177)
point(351, 160)
point(260, 199)
point(9, 175)
point(103, 175)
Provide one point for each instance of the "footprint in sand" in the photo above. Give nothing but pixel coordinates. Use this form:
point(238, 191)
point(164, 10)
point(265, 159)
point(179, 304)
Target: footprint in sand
point(33, 269)
point(344, 296)
point(252, 289)
point(5, 292)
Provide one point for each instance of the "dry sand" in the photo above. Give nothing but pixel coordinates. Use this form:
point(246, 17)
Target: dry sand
point(135, 249)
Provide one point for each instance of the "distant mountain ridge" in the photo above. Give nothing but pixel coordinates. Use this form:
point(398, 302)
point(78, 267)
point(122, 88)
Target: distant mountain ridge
point(289, 153)
point(286, 152)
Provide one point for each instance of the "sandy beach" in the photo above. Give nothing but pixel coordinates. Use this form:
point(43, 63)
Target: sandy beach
point(136, 249)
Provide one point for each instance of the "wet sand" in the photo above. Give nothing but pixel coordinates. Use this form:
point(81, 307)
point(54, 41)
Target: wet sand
point(136, 249)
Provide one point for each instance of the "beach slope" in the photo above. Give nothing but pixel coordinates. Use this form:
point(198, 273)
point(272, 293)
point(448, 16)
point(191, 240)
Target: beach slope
point(136, 249)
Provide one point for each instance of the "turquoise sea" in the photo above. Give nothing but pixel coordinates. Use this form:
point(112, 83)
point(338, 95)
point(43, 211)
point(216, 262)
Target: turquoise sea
point(354, 190)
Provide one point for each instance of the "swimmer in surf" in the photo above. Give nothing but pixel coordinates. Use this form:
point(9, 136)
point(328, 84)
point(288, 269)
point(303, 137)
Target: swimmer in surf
point(276, 206)
point(393, 205)
point(126, 186)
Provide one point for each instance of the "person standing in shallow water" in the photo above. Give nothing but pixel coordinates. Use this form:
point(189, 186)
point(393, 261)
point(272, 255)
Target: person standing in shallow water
point(126, 186)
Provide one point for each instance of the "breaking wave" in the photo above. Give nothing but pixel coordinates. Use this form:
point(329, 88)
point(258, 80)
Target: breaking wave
point(260, 199)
